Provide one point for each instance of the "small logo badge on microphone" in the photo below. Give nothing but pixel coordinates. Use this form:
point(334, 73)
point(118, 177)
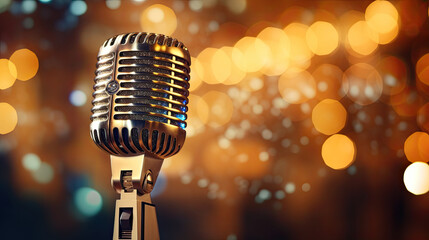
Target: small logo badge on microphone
point(112, 87)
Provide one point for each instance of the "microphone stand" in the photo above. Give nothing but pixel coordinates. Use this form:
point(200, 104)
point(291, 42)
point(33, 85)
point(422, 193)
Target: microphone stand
point(135, 215)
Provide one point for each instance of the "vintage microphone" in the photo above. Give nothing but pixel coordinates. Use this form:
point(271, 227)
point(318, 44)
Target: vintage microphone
point(138, 116)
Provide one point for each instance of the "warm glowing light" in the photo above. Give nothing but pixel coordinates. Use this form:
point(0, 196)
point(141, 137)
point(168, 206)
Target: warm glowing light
point(329, 116)
point(407, 102)
point(300, 54)
point(322, 38)
point(197, 74)
point(8, 118)
point(381, 16)
point(362, 39)
point(178, 164)
point(237, 75)
point(250, 54)
point(158, 18)
point(237, 6)
point(338, 151)
point(416, 178)
point(423, 117)
point(220, 108)
point(26, 63)
point(297, 87)
point(278, 59)
point(394, 74)
point(206, 73)
point(422, 69)
point(8, 73)
point(362, 83)
point(221, 65)
point(198, 114)
point(328, 80)
point(415, 147)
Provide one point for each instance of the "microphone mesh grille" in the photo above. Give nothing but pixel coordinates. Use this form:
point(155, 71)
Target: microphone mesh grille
point(101, 100)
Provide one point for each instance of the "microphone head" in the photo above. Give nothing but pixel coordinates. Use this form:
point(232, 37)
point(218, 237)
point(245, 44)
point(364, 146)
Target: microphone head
point(140, 95)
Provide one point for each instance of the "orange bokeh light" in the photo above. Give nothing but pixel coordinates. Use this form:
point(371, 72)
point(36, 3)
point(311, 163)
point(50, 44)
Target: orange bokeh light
point(329, 116)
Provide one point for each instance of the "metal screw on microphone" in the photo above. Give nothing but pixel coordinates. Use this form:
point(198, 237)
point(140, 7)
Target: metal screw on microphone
point(112, 87)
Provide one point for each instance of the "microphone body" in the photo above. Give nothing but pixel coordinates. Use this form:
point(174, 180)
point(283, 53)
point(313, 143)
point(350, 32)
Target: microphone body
point(138, 117)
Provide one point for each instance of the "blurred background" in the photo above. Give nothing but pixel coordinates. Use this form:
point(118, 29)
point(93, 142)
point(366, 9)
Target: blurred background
point(307, 119)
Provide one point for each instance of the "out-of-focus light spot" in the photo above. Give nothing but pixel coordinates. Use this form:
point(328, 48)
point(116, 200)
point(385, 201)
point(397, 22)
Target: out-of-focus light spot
point(138, 1)
point(231, 237)
point(45, 1)
point(113, 4)
point(329, 82)
point(264, 156)
point(278, 43)
point(362, 83)
point(198, 113)
point(78, 7)
point(362, 39)
point(300, 54)
point(237, 6)
point(352, 170)
point(220, 108)
point(422, 69)
point(8, 73)
point(221, 66)
point(158, 18)
point(31, 162)
point(416, 178)
point(26, 63)
point(394, 74)
point(28, 6)
point(28, 23)
point(213, 26)
point(423, 117)
point(4, 5)
point(329, 116)
point(44, 174)
point(306, 187)
point(297, 87)
point(193, 28)
point(338, 151)
point(290, 187)
point(381, 16)
point(237, 75)
point(88, 201)
point(322, 38)
point(415, 147)
point(77, 98)
point(196, 79)
point(249, 54)
point(196, 5)
point(205, 71)
point(8, 118)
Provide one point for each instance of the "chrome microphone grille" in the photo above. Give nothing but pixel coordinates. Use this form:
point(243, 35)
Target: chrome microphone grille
point(141, 95)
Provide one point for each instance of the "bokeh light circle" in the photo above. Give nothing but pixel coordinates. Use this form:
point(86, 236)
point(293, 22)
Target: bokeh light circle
point(278, 43)
point(158, 18)
point(329, 116)
point(250, 54)
point(416, 147)
point(362, 83)
point(329, 81)
point(416, 178)
point(338, 151)
point(8, 73)
point(362, 39)
point(31, 162)
point(297, 87)
point(322, 38)
point(220, 108)
point(422, 69)
point(423, 117)
point(26, 63)
point(381, 16)
point(8, 118)
point(88, 201)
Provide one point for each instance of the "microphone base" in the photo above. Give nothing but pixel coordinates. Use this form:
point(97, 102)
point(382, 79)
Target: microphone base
point(135, 217)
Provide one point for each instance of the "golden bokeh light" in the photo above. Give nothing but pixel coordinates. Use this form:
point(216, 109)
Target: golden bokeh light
point(250, 54)
point(416, 178)
point(198, 113)
point(322, 38)
point(196, 79)
point(338, 151)
point(362, 83)
point(221, 65)
point(26, 63)
point(362, 39)
point(416, 147)
point(329, 116)
point(423, 117)
point(220, 108)
point(158, 18)
point(300, 53)
point(8, 73)
point(328, 80)
point(381, 16)
point(279, 45)
point(422, 69)
point(8, 118)
point(206, 73)
point(297, 87)
point(237, 75)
